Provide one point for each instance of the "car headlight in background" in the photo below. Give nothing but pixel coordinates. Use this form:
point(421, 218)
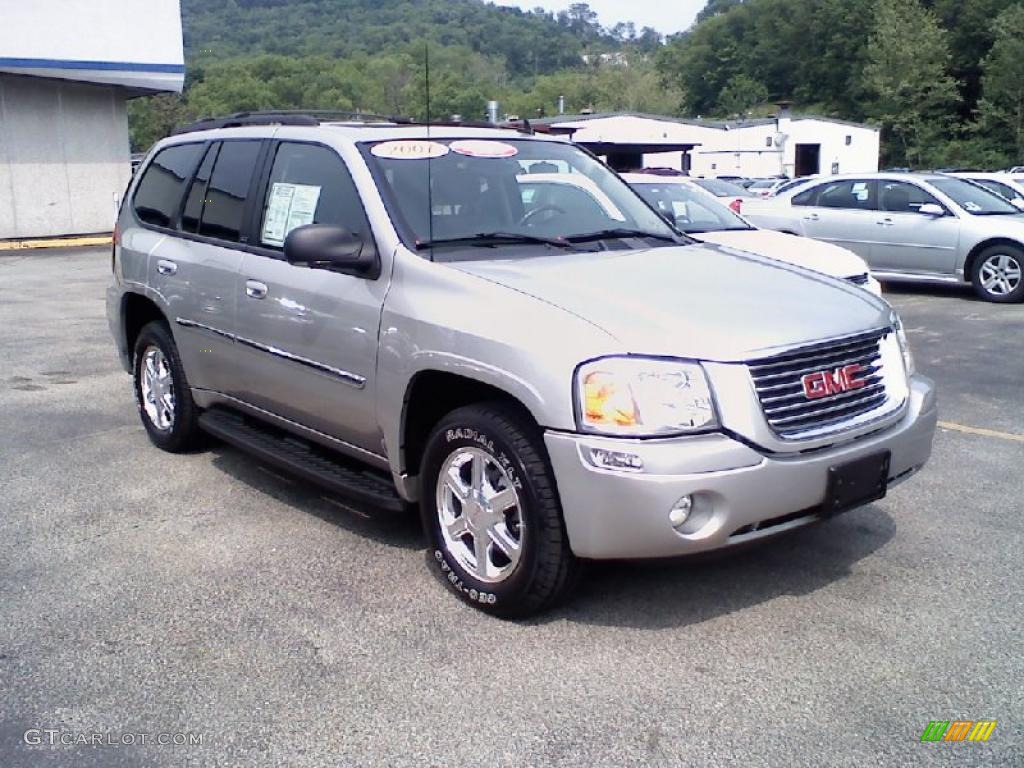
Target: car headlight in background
point(901, 336)
point(643, 397)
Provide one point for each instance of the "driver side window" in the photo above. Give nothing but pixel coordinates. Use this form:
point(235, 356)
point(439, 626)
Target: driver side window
point(310, 184)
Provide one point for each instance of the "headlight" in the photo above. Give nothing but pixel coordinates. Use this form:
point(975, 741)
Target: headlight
point(901, 336)
point(643, 397)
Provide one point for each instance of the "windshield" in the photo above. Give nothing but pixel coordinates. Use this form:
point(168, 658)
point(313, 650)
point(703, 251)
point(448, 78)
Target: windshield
point(720, 188)
point(454, 193)
point(974, 198)
point(693, 211)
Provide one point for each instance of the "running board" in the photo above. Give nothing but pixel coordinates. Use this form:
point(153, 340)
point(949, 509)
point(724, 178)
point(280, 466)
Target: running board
point(303, 460)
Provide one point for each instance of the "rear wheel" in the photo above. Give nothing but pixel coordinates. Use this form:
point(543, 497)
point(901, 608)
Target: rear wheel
point(998, 274)
point(162, 393)
point(491, 512)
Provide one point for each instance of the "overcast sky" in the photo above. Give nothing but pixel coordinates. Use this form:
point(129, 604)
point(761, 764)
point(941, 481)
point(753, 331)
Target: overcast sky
point(666, 16)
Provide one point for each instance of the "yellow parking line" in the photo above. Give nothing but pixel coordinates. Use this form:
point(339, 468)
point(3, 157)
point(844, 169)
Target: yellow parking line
point(982, 432)
point(55, 242)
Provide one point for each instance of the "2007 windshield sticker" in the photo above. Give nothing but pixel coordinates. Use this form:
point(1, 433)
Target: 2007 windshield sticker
point(409, 150)
point(487, 149)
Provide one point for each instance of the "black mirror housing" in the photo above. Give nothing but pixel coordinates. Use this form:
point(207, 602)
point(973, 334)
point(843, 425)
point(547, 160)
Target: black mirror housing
point(328, 246)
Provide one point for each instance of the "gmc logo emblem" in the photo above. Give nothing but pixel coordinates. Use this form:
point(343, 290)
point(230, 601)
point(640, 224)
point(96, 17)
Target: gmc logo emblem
point(834, 382)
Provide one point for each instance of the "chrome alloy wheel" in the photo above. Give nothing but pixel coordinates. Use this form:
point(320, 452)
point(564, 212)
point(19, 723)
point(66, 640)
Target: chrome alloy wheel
point(1000, 274)
point(157, 386)
point(481, 514)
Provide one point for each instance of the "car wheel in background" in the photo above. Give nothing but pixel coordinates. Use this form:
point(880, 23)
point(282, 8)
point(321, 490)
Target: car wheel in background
point(998, 274)
point(162, 393)
point(491, 512)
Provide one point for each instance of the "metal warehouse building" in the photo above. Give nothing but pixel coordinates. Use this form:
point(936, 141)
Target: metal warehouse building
point(784, 145)
point(67, 70)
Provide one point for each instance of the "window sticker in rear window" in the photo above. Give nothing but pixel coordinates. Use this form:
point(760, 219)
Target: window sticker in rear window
point(289, 206)
point(409, 150)
point(486, 149)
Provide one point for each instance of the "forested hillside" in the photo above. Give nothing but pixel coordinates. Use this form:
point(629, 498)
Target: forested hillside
point(944, 78)
point(369, 55)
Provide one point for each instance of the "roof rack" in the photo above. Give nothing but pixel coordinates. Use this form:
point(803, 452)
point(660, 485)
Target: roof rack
point(321, 116)
point(285, 117)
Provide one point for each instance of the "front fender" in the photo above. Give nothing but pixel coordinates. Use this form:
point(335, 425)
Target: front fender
point(437, 318)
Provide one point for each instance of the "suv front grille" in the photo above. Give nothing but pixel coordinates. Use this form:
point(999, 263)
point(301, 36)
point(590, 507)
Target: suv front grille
point(779, 382)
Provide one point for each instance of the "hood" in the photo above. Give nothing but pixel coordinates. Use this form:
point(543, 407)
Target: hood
point(698, 301)
point(803, 251)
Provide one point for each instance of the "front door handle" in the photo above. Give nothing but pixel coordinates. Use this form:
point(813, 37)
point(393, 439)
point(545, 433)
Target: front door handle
point(886, 222)
point(254, 289)
point(165, 267)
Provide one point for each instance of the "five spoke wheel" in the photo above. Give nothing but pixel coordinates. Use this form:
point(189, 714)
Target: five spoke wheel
point(157, 384)
point(480, 513)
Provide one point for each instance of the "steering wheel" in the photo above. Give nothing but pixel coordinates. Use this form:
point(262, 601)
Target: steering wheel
point(541, 209)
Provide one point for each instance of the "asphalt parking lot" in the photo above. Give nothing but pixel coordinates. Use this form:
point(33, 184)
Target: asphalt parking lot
point(144, 593)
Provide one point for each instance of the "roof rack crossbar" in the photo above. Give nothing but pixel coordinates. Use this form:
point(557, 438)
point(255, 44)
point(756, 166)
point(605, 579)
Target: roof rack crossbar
point(314, 117)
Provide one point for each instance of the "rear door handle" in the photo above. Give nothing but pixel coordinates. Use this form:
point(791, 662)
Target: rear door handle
point(887, 222)
point(254, 289)
point(812, 217)
point(165, 267)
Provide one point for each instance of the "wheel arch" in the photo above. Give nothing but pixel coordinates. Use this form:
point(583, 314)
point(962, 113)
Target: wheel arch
point(976, 251)
point(429, 396)
point(136, 311)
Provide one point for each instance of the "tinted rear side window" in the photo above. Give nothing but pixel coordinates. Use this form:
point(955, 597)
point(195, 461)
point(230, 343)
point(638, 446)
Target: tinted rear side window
point(158, 196)
point(807, 197)
point(227, 190)
point(193, 211)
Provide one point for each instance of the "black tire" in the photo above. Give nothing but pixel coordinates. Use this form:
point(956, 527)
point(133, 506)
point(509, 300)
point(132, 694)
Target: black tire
point(546, 570)
point(1014, 257)
point(183, 434)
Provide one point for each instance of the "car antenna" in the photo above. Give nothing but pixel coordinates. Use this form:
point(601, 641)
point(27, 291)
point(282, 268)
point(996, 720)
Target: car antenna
point(430, 185)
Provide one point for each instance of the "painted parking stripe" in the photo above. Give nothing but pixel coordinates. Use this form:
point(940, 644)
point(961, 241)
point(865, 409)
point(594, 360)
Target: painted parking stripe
point(983, 432)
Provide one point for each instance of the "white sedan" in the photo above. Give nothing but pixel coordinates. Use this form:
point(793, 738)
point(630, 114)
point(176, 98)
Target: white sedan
point(702, 217)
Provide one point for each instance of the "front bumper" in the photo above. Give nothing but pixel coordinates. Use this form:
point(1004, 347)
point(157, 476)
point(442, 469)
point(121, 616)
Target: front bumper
point(739, 493)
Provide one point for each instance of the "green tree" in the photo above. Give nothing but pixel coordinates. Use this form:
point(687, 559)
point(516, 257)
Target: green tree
point(740, 94)
point(1001, 109)
point(906, 79)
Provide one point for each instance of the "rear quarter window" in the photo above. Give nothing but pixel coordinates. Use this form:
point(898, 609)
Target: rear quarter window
point(157, 199)
point(807, 197)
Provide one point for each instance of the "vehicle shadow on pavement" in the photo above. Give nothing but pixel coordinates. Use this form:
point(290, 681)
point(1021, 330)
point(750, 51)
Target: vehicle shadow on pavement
point(395, 529)
point(941, 290)
point(680, 592)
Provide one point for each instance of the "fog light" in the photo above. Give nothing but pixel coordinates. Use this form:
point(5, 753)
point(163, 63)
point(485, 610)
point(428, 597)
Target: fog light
point(680, 513)
point(616, 460)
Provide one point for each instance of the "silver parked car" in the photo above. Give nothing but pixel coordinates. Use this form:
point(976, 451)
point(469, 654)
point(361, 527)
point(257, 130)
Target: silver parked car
point(432, 317)
point(911, 226)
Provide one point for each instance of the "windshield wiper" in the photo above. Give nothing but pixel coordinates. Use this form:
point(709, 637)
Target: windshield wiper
point(608, 234)
point(492, 239)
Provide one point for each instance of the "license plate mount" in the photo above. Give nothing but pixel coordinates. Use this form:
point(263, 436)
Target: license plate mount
point(856, 483)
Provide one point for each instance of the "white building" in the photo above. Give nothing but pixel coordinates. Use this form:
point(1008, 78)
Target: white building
point(67, 70)
point(787, 145)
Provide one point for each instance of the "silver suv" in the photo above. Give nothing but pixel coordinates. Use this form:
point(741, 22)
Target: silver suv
point(398, 314)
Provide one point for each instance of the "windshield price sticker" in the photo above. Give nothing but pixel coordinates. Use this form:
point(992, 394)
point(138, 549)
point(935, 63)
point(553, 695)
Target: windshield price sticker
point(486, 149)
point(409, 150)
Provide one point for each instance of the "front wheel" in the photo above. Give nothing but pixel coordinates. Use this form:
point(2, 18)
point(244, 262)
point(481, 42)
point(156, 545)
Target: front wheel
point(998, 274)
point(491, 512)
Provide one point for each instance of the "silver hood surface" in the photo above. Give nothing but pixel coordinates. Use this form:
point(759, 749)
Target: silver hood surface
point(699, 301)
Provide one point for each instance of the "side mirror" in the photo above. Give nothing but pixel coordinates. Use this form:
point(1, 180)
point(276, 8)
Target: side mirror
point(931, 209)
point(327, 246)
